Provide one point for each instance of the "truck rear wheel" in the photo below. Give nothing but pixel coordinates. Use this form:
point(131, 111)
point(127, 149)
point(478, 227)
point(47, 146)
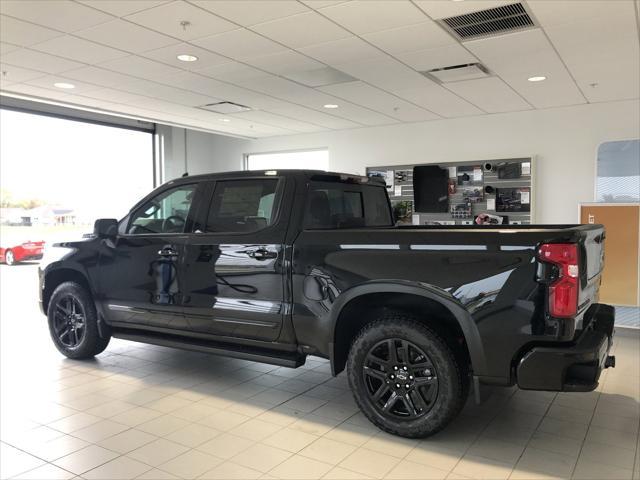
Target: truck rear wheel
point(405, 377)
point(73, 322)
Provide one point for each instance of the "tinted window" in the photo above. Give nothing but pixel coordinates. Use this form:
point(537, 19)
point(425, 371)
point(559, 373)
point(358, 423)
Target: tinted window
point(338, 205)
point(242, 205)
point(164, 213)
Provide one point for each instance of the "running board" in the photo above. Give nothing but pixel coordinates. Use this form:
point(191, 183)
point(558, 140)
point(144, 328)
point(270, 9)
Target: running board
point(273, 357)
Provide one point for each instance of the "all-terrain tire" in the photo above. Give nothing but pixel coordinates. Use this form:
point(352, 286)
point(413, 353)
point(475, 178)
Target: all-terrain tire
point(450, 370)
point(91, 342)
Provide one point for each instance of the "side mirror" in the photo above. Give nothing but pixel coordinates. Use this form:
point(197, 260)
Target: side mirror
point(105, 228)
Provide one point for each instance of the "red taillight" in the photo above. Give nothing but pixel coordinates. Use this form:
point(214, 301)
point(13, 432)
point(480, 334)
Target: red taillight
point(563, 292)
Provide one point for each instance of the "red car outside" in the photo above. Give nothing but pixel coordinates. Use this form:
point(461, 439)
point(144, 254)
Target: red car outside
point(19, 252)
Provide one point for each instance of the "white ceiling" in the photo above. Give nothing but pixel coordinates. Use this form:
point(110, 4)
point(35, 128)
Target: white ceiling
point(286, 59)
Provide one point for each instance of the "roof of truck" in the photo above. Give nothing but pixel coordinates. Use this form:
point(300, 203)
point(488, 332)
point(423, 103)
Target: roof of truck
point(318, 174)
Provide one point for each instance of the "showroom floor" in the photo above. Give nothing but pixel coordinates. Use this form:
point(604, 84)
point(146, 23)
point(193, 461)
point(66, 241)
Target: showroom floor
point(141, 411)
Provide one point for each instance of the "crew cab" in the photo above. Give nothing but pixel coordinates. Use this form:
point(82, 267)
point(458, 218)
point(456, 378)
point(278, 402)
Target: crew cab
point(273, 266)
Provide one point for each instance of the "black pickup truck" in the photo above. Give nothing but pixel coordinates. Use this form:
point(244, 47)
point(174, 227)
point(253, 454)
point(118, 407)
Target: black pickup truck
point(273, 266)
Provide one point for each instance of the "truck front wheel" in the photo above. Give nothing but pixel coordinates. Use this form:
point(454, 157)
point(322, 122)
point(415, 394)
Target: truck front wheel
point(73, 322)
point(405, 377)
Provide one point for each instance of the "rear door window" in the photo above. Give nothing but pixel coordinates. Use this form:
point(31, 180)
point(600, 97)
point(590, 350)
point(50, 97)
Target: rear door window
point(242, 206)
point(340, 205)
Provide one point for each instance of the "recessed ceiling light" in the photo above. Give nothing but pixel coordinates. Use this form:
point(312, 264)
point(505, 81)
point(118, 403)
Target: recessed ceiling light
point(226, 120)
point(64, 85)
point(537, 79)
point(187, 58)
point(330, 105)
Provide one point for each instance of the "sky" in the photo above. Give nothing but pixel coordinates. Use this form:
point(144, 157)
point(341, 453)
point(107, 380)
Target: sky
point(101, 171)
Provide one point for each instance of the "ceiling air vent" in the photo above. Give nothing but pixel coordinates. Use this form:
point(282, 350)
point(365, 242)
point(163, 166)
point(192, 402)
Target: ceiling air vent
point(457, 73)
point(486, 23)
point(225, 107)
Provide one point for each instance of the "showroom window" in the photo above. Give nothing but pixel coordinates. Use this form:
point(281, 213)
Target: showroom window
point(618, 172)
point(311, 160)
point(58, 175)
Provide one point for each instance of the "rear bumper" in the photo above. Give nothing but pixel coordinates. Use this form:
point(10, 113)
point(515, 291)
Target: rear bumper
point(575, 367)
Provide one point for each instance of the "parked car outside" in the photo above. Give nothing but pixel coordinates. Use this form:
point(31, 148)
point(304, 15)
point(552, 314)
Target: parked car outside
point(16, 252)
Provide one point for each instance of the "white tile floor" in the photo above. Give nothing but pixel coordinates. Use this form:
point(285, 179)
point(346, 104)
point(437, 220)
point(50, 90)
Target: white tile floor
point(148, 412)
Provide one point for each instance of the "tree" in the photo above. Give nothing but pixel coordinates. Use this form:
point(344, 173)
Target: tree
point(7, 201)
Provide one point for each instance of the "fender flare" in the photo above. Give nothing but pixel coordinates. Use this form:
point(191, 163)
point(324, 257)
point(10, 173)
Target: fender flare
point(57, 266)
point(430, 292)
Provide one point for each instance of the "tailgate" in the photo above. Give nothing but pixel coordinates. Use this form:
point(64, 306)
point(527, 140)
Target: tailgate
point(592, 262)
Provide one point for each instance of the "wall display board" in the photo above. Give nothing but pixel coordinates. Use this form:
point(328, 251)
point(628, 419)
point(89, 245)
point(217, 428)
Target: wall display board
point(455, 193)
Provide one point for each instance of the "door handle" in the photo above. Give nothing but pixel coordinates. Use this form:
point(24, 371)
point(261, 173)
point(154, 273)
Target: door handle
point(167, 252)
point(261, 254)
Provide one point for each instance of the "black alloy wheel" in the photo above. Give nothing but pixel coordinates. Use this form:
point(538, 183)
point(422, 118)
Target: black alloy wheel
point(405, 376)
point(69, 321)
point(73, 322)
point(400, 378)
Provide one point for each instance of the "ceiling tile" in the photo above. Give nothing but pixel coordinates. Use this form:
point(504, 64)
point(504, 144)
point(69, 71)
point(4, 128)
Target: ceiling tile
point(362, 94)
point(112, 95)
point(362, 115)
point(443, 9)
point(602, 56)
point(100, 76)
point(365, 16)
point(40, 93)
point(319, 77)
point(233, 72)
point(346, 50)
point(22, 33)
point(239, 44)
point(169, 55)
point(313, 116)
point(301, 30)
point(411, 38)
point(386, 73)
point(316, 4)
point(251, 12)
point(140, 67)
point(516, 57)
point(490, 94)
point(284, 62)
point(439, 100)
point(167, 19)
point(216, 88)
point(126, 36)
point(315, 99)
point(7, 47)
point(39, 61)
point(79, 49)
point(560, 12)
point(440, 57)
point(11, 74)
point(267, 118)
point(63, 15)
point(174, 94)
point(120, 8)
point(49, 80)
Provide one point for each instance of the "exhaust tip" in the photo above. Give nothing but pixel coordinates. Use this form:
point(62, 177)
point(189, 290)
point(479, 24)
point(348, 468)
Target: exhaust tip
point(610, 361)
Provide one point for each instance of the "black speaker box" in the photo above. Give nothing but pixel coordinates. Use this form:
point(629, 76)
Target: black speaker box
point(430, 189)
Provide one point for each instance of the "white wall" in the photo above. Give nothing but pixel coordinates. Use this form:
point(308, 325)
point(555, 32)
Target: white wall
point(204, 153)
point(563, 140)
